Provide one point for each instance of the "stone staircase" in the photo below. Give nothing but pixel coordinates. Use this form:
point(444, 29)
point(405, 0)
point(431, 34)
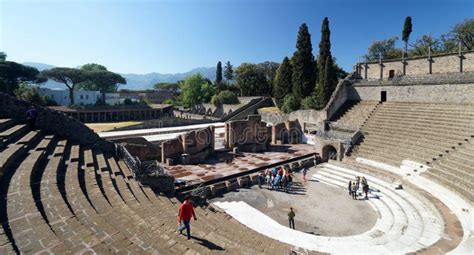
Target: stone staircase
point(58, 196)
point(355, 117)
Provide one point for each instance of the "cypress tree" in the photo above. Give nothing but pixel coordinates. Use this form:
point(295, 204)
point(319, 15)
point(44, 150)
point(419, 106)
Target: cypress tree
point(303, 77)
point(327, 79)
point(407, 29)
point(327, 82)
point(218, 76)
point(282, 84)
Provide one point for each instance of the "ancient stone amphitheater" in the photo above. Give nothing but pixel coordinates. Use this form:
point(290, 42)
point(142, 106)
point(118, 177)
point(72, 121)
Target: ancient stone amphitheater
point(64, 190)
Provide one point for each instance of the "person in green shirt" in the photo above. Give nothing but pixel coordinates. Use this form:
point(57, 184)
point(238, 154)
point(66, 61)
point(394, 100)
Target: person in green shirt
point(291, 218)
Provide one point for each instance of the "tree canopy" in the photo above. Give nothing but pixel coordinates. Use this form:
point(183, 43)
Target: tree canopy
point(424, 44)
point(290, 103)
point(269, 69)
point(383, 49)
point(283, 82)
point(251, 80)
point(327, 79)
point(218, 76)
point(196, 90)
point(3, 56)
point(93, 67)
point(70, 77)
point(461, 33)
point(304, 70)
point(100, 79)
point(225, 97)
point(11, 73)
point(228, 72)
point(407, 29)
point(328, 84)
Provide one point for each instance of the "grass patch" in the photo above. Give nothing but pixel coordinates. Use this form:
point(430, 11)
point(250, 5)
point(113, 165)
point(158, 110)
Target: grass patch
point(273, 109)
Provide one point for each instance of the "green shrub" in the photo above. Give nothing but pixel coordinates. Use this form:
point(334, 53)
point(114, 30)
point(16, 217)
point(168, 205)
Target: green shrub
point(290, 103)
point(309, 103)
point(168, 101)
point(225, 97)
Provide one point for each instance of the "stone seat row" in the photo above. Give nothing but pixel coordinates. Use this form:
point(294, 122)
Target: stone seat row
point(402, 144)
point(355, 116)
point(404, 121)
point(456, 171)
point(412, 147)
point(84, 201)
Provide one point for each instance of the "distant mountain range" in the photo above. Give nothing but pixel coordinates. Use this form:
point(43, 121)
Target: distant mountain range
point(137, 81)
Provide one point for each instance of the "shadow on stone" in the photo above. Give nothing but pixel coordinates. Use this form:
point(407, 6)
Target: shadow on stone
point(208, 244)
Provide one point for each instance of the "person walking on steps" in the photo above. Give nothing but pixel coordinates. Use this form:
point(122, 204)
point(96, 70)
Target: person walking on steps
point(186, 211)
point(31, 116)
point(291, 218)
point(305, 171)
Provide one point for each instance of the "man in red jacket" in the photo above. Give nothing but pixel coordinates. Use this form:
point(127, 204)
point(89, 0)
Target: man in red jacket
point(186, 211)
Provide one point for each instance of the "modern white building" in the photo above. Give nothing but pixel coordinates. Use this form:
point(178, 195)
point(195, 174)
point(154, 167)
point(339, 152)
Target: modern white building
point(61, 96)
point(112, 98)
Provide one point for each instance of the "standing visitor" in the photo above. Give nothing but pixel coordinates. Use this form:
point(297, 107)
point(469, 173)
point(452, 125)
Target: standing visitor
point(366, 190)
point(354, 189)
point(291, 218)
point(260, 179)
point(350, 187)
point(305, 171)
point(186, 211)
point(31, 116)
point(289, 183)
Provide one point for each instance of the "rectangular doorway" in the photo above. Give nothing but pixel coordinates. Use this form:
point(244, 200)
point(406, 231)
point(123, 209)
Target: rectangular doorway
point(391, 74)
point(383, 96)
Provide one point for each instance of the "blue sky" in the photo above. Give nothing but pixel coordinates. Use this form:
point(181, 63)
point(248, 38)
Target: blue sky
point(142, 36)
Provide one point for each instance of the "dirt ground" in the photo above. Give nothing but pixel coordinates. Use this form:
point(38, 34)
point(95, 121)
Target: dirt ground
point(109, 126)
point(320, 209)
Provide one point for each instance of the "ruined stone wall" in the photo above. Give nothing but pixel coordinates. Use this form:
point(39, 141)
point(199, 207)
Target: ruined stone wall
point(288, 132)
point(171, 149)
point(247, 135)
point(445, 63)
point(141, 148)
point(338, 97)
point(190, 148)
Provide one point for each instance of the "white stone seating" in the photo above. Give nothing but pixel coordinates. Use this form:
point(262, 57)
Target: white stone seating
point(406, 224)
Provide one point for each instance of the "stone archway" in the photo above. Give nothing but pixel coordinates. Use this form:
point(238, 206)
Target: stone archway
point(328, 152)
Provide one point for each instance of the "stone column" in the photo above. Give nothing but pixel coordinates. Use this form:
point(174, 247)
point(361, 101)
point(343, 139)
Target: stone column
point(365, 70)
point(430, 65)
point(430, 61)
point(381, 69)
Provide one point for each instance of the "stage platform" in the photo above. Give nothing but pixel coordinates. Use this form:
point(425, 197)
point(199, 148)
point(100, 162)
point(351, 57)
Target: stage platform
point(227, 165)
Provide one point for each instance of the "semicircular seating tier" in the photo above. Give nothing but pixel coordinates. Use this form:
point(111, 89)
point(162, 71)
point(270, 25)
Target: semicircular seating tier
point(61, 197)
